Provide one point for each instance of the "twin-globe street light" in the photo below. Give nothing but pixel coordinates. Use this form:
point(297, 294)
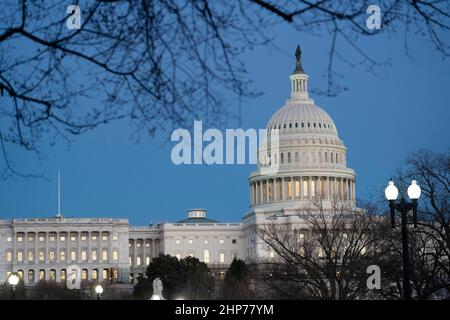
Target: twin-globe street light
point(403, 207)
point(13, 280)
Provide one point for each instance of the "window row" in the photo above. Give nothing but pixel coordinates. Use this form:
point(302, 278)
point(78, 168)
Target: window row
point(206, 241)
point(296, 125)
point(107, 274)
point(52, 255)
point(62, 237)
point(309, 157)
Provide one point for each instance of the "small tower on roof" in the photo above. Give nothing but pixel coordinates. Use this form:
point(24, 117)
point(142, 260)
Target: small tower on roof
point(299, 80)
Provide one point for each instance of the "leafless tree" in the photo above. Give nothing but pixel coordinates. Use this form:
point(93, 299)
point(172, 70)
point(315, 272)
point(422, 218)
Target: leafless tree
point(160, 64)
point(430, 241)
point(328, 257)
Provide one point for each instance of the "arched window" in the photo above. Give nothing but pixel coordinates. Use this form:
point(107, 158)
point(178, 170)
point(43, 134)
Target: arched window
point(95, 274)
point(282, 158)
point(84, 274)
point(105, 274)
point(303, 124)
point(314, 124)
point(52, 276)
point(20, 274)
point(296, 124)
point(290, 125)
point(63, 275)
point(31, 276)
point(309, 125)
point(289, 157)
point(326, 157)
point(320, 125)
point(296, 157)
point(336, 157)
point(42, 274)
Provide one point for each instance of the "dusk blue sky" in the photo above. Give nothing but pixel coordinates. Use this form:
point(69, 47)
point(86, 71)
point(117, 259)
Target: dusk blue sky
point(381, 119)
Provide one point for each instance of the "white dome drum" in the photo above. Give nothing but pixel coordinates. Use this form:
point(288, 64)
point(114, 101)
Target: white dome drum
point(310, 160)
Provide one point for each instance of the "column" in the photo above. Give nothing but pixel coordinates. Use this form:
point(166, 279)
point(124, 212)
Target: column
point(261, 200)
point(89, 253)
point(144, 254)
point(267, 190)
point(275, 191)
point(78, 248)
point(134, 252)
point(153, 248)
point(309, 188)
point(57, 260)
point(46, 251)
point(319, 187)
point(300, 182)
point(283, 189)
point(341, 187)
point(292, 182)
point(354, 190)
point(36, 252)
point(25, 258)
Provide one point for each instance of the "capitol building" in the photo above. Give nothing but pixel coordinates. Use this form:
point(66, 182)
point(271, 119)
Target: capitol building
point(311, 164)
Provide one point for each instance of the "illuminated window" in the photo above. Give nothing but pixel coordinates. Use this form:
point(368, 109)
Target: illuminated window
point(84, 274)
point(147, 244)
point(178, 241)
point(95, 274)
point(52, 274)
point(73, 256)
point(138, 261)
point(83, 237)
point(62, 238)
point(41, 256)
point(20, 274)
point(51, 256)
point(31, 276)
point(289, 184)
point(104, 237)
point(206, 242)
point(190, 241)
point(115, 255)
point(147, 260)
point(104, 255)
point(73, 238)
point(8, 256)
point(83, 255)
point(94, 255)
point(41, 238)
point(30, 255)
point(313, 188)
point(222, 257)
point(297, 188)
point(41, 274)
point(19, 238)
point(206, 256)
point(129, 261)
point(9, 239)
point(63, 275)
point(105, 274)
point(62, 255)
point(221, 241)
point(115, 237)
point(30, 238)
point(94, 237)
point(52, 238)
point(138, 244)
point(271, 254)
point(129, 244)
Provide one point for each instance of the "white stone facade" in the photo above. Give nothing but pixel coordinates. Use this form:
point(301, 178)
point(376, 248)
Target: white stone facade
point(312, 164)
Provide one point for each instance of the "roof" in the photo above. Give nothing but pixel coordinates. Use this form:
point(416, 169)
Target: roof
point(197, 220)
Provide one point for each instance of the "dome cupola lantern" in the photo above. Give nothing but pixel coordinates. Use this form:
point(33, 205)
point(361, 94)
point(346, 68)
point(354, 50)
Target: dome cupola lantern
point(299, 80)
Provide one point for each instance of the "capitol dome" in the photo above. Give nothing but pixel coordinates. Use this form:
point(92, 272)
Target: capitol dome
point(307, 160)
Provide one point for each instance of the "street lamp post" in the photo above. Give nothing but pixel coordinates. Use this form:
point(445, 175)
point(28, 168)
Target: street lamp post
point(99, 291)
point(403, 207)
point(13, 280)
